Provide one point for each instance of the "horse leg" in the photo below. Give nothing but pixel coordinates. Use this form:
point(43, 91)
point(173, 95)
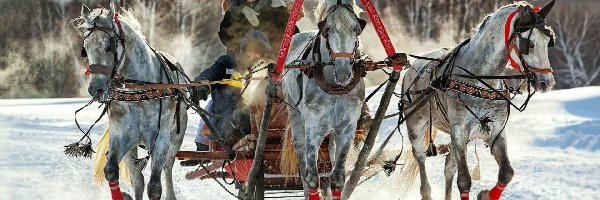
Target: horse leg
point(449, 171)
point(416, 132)
point(137, 178)
point(505, 172)
point(459, 145)
point(313, 139)
point(159, 154)
point(343, 140)
point(119, 146)
point(175, 144)
point(298, 134)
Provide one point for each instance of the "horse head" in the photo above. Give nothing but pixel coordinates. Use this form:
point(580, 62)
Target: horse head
point(529, 43)
point(100, 47)
point(340, 28)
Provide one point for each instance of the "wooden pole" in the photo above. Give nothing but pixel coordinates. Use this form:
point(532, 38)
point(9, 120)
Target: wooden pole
point(370, 140)
point(260, 142)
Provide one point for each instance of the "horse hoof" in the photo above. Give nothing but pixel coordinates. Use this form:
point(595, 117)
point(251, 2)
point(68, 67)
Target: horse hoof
point(126, 196)
point(484, 195)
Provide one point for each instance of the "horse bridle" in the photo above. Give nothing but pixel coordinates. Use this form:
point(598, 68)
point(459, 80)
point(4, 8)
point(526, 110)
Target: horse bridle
point(525, 44)
point(118, 61)
point(324, 31)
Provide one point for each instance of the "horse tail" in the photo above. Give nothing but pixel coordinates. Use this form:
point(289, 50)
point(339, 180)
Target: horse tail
point(288, 161)
point(101, 159)
point(411, 168)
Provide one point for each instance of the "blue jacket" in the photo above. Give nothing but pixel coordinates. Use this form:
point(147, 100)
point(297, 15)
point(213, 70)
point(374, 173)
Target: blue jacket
point(225, 98)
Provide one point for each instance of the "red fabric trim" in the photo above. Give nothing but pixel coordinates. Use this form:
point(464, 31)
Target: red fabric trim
point(464, 196)
point(116, 18)
point(360, 132)
point(336, 195)
point(287, 38)
point(380, 29)
point(313, 194)
point(507, 34)
point(496, 192)
point(241, 169)
point(115, 193)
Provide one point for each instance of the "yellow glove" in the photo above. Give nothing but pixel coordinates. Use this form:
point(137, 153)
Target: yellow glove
point(235, 81)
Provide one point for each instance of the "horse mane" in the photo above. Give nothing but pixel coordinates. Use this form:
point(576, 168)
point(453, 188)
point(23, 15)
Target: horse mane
point(131, 26)
point(321, 11)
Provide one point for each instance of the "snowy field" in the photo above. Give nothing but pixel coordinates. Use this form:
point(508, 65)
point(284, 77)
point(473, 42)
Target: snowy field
point(554, 147)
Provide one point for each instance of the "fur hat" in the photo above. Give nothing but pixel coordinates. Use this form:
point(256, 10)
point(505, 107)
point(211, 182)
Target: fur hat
point(254, 36)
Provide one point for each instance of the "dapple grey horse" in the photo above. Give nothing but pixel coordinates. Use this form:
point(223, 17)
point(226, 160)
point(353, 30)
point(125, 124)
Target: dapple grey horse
point(464, 116)
point(318, 113)
point(132, 123)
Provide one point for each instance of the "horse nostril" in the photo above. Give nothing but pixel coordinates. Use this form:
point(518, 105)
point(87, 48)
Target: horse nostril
point(544, 86)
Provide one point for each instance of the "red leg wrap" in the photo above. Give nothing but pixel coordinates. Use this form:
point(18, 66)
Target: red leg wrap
point(336, 195)
point(496, 192)
point(313, 194)
point(115, 191)
point(464, 196)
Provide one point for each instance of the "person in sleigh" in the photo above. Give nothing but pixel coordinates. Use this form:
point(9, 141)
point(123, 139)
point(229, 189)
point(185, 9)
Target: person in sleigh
point(229, 115)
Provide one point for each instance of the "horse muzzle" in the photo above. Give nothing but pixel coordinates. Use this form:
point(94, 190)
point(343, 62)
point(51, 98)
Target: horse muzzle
point(543, 82)
point(343, 72)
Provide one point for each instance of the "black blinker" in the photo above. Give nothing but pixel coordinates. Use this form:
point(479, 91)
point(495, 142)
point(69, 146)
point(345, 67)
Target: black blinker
point(362, 23)
point(83, 52)
point(524, 45)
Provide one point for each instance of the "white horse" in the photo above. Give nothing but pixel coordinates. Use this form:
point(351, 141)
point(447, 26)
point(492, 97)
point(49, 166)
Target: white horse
point(116, 51)
point(468, 108)
point(318, 113)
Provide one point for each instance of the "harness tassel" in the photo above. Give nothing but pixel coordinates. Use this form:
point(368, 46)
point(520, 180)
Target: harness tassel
point(432, 150)
point(115, 191)
point(79, 150)
point(496, 192)
point(313, 194)
point(476, 173)
point(72, 149)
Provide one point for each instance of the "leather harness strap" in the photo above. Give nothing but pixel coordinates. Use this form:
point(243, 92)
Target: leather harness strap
point(100, 69)
point(513, 47)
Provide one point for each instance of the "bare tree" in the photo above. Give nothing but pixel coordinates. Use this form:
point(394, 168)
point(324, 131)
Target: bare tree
point(576, 53)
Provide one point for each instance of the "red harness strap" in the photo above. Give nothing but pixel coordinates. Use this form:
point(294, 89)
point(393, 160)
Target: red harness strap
point(507, 34)
point(287, 38)
point(380, 29)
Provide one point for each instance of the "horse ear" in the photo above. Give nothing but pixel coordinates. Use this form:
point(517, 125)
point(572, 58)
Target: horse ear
point(362, 23)
point(85, 11)
point(544, 11)
point(225, 6)
point(112, 9)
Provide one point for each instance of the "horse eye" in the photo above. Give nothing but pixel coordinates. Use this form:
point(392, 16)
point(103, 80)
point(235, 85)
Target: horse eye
point(531, 45)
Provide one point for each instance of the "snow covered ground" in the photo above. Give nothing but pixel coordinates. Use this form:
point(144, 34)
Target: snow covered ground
point(554, 147)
